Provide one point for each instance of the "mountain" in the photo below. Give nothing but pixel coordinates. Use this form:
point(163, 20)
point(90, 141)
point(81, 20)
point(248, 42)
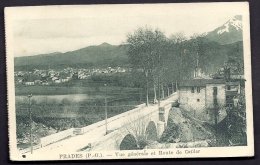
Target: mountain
point(229, 32)
point(103, 55)
point(105, 44)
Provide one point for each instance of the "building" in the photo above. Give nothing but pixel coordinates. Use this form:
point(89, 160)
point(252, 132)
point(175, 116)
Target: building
point(29, 83)
point(232, 89)
point(202, 96)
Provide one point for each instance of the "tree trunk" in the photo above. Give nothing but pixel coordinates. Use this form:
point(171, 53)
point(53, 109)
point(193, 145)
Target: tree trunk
point(147, 90)
point(162, 92)
point(176, 86)
point(155, 97)
point(140, 97)
point(172, 88)
point(168, 91)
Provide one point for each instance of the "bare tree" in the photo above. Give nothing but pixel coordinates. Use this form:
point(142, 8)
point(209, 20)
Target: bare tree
point(144, 49)
point(176, 41)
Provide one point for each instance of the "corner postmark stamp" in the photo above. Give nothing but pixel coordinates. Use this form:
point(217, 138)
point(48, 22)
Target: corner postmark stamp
point(129, 81)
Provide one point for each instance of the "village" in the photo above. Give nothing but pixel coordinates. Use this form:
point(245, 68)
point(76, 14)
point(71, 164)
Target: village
point(54, 76)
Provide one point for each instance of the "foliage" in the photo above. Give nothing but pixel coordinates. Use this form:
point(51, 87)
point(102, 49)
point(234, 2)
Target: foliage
point(65, 101)
point(171, 133)
point(117, 79)
point(237, 127)
point(232, 130)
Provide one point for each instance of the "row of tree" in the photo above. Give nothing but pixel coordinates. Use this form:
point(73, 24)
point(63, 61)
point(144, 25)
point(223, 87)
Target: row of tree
point(157, 61)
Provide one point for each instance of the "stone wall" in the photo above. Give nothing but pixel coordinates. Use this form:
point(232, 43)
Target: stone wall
point(196, 101)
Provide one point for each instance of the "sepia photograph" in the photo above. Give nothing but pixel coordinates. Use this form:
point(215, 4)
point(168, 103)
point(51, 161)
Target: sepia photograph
point(129, 81)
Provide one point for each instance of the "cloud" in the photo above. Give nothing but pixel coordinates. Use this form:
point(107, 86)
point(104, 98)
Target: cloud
point(51, 28)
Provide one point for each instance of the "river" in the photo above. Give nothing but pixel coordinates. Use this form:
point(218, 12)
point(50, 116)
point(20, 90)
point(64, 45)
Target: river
point(59, 98)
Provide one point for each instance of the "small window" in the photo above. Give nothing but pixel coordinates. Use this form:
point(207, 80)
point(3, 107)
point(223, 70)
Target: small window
point(215, 90)
point(215, 101)
point(192, 89)
point(198, 100)
point(228, 87)
point(198, 89)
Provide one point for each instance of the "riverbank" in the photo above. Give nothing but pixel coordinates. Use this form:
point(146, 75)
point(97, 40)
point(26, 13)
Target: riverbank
point(183, 128)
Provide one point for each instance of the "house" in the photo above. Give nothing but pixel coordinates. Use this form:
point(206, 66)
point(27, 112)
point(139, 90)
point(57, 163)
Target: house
point(202, 95)
point(29, 79)
point(45, 82)
point(29, 83)
point(232, 89)
point(54, 78)
point(37, 82)
point(57, 81)
point(64, 77)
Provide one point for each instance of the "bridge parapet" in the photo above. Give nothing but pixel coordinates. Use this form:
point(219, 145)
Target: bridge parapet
point(56, 137)
point(109, 120)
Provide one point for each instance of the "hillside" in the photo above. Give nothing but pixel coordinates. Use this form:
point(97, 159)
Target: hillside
point(103, 55)
point(212, 56)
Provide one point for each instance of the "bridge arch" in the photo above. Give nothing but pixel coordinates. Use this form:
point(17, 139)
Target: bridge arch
point(128, 143)
point(151, 131)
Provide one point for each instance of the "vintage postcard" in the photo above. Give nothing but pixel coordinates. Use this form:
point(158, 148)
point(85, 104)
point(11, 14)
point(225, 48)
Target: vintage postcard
point(129, 81)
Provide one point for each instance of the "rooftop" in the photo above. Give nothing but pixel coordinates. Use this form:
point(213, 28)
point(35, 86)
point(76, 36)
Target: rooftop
point(201, 82)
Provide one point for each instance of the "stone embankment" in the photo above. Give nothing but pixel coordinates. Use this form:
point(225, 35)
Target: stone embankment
point(184, 131)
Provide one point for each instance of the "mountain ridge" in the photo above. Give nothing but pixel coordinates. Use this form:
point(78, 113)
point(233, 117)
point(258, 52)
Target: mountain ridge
point(104, 54)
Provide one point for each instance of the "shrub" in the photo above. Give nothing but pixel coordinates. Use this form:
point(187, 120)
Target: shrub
point(170, 134)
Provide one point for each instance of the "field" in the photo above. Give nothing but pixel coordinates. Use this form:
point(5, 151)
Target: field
point(63, 90)
point(54, 108)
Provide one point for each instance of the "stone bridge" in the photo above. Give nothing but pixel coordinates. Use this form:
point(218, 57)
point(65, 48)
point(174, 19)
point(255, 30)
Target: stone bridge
point(125, 131)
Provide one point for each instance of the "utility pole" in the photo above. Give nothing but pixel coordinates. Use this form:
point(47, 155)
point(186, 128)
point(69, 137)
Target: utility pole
point(147, 90)
point(159, 94)
point(106, 106)
point(140, 96)
point(30, 116)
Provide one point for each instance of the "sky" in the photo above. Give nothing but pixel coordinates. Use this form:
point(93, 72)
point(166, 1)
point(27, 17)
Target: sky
point(66, 28)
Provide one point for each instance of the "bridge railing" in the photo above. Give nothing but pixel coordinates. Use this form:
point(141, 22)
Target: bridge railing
point(100, 123)
point(56, 137)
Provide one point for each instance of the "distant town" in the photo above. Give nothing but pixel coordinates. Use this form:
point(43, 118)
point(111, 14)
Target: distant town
point(52, 76)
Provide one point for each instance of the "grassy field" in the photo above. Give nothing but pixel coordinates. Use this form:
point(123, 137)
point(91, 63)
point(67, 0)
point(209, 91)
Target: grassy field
point(62, 90)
